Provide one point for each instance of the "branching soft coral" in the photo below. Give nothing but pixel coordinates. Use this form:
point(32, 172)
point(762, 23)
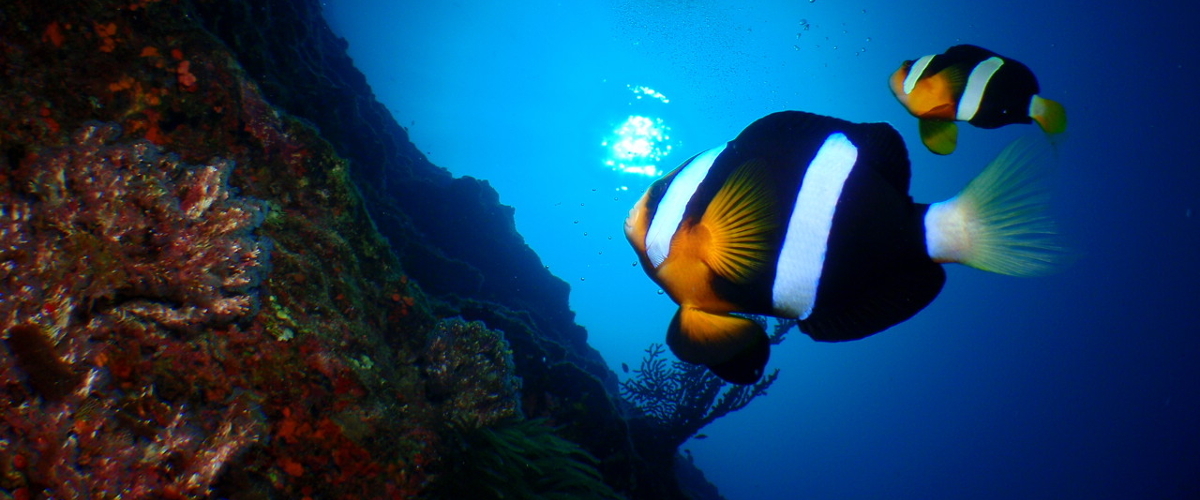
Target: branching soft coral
point(681, 398)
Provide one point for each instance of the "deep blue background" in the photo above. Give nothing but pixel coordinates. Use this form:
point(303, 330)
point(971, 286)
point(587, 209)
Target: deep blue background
point(1083, 384)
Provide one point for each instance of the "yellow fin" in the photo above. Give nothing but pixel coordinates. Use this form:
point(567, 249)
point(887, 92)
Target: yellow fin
point(740, 220)
point(1049, 114)
point(706, 338)
point(956, 79)
point(941, 137)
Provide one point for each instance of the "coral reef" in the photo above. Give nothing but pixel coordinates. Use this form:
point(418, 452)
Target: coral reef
point(169, 335)
point(226, 273)
point(469, 374)
point(303, 68)
point(176, 236)
point(158, 249)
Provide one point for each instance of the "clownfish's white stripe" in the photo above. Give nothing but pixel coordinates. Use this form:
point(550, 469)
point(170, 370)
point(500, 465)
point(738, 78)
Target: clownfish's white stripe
point(803, 254)
point(914, 73)
point(674, 202)
point(968, 104)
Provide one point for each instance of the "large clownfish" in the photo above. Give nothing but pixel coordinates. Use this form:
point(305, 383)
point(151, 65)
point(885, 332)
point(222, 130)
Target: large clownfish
point(809, 217)
point(974, 85)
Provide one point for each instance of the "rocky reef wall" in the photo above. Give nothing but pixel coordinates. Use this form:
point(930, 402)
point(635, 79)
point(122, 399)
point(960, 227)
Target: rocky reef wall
point(224, 270)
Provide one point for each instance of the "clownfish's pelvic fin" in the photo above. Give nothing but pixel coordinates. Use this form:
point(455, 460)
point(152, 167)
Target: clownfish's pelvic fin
point(740, 220)
point(999, 223)
point(941, 137)
point(1050, 115)
point(746, 367)
point(735, 348)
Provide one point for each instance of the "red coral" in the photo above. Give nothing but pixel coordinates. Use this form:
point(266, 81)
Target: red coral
point(54, 34)
point(186, 79)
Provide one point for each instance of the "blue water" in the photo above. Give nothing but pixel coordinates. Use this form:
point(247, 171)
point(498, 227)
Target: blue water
point(1083, 384)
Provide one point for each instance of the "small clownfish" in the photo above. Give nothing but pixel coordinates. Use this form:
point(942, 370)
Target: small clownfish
point(808, 217)
point(974, 85)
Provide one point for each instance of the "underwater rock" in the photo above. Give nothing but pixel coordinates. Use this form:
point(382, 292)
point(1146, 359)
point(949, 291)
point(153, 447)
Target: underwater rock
point(302, 66)
point(470, 375)
point(141, 318)
point(156, 239)
point(107, 243)
point(148, 349)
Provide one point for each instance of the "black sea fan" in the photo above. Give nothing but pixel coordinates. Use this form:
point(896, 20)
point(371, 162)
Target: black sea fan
point(681, 398)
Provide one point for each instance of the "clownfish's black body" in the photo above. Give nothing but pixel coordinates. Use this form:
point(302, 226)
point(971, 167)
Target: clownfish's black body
point(974, 85)
point(808, 217)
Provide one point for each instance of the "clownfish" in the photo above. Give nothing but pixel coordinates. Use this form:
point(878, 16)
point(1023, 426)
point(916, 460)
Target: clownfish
point(808, 217)
point(974, 85)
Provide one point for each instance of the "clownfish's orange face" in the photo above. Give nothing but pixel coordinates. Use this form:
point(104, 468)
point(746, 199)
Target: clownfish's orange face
point(896, 82)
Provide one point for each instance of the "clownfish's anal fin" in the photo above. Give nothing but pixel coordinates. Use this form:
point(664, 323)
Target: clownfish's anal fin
point(889, 300)
point(1050, 115)
point(740, 220)
point(734, 348)
point(941, 137)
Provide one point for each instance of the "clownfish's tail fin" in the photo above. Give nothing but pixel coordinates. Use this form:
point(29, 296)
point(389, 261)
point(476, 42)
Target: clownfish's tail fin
point(1050, 115)
point(999, 222)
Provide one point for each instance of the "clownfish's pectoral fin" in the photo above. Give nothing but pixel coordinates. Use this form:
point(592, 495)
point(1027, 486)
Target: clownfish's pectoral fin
point(955, 78)
point(1050, 115)
point(941, 137)
point(740, 220)
point(734, 348)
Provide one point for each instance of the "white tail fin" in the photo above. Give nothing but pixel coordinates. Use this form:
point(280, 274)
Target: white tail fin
point(998, 223)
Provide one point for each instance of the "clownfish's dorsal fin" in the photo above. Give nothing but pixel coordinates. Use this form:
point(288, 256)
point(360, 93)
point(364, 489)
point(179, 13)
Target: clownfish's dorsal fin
point(735, 348)
point(1050, 115)
point(740, 220)
point(941, 137)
